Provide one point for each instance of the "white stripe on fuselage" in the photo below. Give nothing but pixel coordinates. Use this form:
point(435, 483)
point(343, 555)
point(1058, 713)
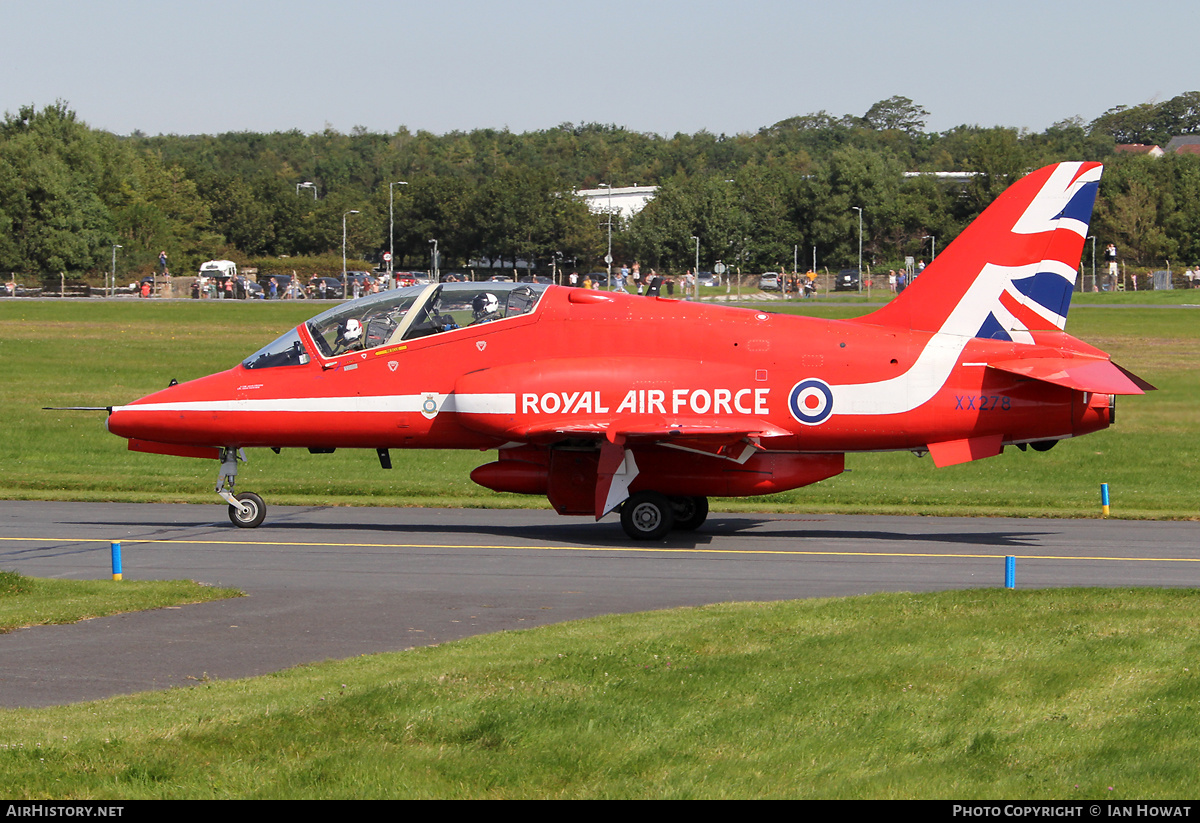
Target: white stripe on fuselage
point(464, 403)
point(907, 391)
point(937, 360)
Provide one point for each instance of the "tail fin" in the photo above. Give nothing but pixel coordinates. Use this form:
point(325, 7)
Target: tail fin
point(1012, 270)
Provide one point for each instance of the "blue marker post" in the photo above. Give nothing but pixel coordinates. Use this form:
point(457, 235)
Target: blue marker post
point(1010, 572)
point(116, 560)
point(1104, 500)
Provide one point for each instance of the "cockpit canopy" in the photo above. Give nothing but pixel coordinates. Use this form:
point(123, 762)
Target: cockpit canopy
point(398, 315)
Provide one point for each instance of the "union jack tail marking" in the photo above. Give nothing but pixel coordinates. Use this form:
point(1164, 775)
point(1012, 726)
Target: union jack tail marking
point(1012, 270)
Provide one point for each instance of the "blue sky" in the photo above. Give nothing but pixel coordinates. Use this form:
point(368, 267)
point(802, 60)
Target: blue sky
point(664, 67)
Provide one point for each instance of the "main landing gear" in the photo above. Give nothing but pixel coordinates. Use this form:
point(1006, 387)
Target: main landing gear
point(246, 510)
point(650, 515)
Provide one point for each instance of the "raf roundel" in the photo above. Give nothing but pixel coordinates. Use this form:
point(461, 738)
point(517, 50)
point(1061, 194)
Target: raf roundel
point(811, 401)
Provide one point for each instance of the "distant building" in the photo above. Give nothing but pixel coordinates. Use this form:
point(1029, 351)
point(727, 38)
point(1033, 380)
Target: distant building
point(1138, 148)
point(1185, 144)
point(945, 176)
point(625, 200)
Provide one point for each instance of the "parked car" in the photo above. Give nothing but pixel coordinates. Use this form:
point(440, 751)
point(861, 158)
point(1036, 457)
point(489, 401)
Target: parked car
point(333, 288)
point(770, 281)
point(847, 280)
point(707, 278)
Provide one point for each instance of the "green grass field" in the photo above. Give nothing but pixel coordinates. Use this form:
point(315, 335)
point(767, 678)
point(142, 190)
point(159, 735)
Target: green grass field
point(27, 601)
point(100, 353)
point(1065, 694)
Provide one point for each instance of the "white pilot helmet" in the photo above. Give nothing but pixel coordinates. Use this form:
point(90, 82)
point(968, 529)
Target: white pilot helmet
point(353, 329)
point(485, 303)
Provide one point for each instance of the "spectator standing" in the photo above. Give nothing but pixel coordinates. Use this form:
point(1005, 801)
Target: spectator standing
point(1110, 257)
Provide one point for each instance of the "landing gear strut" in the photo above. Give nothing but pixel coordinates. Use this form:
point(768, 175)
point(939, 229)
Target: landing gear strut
point(246, 510)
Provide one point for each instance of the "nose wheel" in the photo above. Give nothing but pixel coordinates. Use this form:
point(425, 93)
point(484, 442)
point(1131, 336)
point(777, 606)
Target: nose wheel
point(246, 510)
point(250, 514)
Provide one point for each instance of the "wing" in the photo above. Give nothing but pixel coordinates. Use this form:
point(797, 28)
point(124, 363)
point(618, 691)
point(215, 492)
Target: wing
point(618, 468)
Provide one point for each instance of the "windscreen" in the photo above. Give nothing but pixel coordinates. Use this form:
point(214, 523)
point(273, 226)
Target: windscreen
point(287, 350)
point(418, 311)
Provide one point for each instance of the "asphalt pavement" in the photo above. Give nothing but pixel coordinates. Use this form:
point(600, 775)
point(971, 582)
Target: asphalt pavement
point(326, 583)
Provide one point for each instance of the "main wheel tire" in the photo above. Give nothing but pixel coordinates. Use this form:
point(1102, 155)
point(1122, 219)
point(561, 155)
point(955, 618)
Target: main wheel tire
point(689, 512)
point(252, 518)
point(647, 516)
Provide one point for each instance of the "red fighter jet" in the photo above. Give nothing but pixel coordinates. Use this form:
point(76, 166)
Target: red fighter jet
point(649, 406)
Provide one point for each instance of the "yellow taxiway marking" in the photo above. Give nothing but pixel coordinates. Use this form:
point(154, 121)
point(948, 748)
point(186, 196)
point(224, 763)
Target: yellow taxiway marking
point(626, 549)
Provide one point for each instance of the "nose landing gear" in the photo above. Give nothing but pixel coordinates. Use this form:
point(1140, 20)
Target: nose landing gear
point(250, 514)
point(246, 510)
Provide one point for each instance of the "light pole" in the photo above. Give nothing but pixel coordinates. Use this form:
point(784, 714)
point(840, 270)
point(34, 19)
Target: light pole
point(345, 290)
point(1092, 238)
point(932, 246)
point(434, 259)
point(115, 247)
point(696, 272)
point(860, 276)
point(608, 258)
point(312, 186)
point(392, 228)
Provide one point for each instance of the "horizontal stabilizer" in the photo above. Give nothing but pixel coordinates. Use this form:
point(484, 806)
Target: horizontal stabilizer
point(1079, 373)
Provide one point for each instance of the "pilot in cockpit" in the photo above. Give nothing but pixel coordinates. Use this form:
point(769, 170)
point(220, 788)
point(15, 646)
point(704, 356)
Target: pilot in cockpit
point(349, 337)
point(485, 308)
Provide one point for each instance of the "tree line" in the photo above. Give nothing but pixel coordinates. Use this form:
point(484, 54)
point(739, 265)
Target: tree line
point(69, 193)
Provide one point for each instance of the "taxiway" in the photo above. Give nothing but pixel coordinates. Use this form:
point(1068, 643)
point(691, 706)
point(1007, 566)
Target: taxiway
point(327, 583)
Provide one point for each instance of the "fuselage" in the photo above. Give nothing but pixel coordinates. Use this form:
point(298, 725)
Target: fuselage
point(609, 401)
point(584, 360)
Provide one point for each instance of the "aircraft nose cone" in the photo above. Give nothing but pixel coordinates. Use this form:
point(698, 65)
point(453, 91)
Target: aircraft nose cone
point(184, 413)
